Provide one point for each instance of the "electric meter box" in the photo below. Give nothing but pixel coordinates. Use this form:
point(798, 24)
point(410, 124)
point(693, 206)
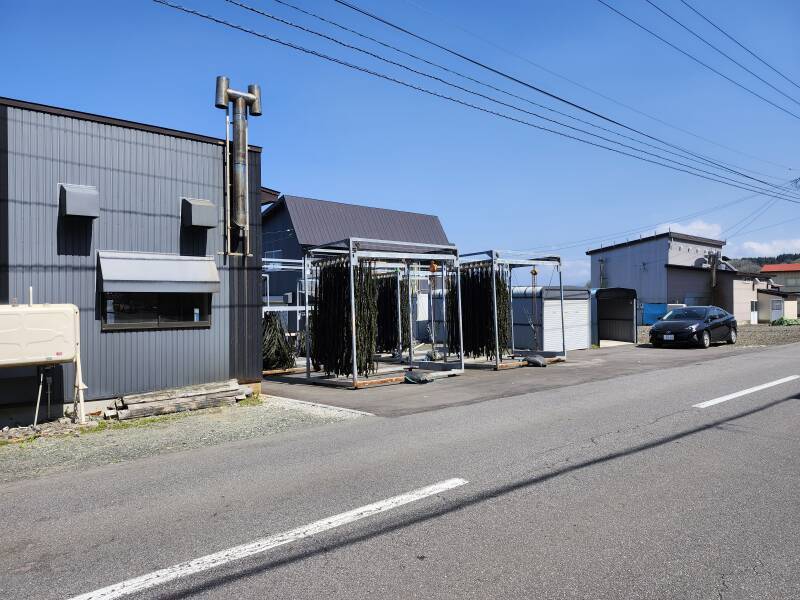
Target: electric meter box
point(38, 334)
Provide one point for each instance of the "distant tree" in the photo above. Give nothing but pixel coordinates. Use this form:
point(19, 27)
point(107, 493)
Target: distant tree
point(760, 261)
point(745, 265)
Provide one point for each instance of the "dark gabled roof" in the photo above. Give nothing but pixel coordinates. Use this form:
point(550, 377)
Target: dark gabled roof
point(318, 222)
point(76, 114)
point(673, 235)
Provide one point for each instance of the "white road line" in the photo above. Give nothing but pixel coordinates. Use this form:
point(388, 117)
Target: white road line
point(223, 557)
point(751, 390)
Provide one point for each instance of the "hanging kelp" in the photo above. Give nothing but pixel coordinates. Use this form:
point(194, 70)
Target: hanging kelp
point(451, 303)
point(366, 318)
point(331, 343)
point(503, 291)
point(404, 312)
point(276, 352)
point(388, 313)
point(478, 313)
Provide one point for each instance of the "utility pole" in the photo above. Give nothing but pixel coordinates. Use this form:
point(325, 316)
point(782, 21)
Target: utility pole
point(714, 258)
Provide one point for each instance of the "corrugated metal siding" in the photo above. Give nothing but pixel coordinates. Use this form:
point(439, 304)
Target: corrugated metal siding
point(279, 241)
point(615, 319)
point(319, 222)
point(141, 177)
point(3, 206)
point(245, 291)
point(638, 266)
point(686, 286)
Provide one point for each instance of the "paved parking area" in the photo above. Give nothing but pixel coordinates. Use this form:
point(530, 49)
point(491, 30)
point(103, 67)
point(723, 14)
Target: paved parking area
point(481, 385)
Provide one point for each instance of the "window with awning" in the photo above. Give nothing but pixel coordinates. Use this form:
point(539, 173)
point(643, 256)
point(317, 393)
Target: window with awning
point(156, 291)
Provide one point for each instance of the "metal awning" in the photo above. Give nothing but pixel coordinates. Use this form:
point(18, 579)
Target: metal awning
point(151, 272)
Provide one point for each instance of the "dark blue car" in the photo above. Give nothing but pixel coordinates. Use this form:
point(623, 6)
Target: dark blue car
point(696, 325)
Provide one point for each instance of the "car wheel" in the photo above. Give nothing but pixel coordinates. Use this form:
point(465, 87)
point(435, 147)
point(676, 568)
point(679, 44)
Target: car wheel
point(705, 339)
point(655, 343)
point(732, 337)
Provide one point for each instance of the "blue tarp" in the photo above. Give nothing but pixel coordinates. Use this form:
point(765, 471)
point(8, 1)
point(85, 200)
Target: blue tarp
point(652, 312)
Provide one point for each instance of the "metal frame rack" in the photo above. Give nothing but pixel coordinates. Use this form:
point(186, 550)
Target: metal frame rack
point(278, 265)
point(270, 266)
point(388, 256)
point(507, 261)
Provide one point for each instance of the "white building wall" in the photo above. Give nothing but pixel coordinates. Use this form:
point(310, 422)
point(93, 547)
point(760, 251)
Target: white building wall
point(689, 254)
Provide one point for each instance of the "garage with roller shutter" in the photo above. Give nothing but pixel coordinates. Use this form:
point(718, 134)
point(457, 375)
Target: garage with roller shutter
point(537, 318)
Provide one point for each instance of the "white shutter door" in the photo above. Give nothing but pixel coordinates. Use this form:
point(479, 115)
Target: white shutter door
point(578, 325)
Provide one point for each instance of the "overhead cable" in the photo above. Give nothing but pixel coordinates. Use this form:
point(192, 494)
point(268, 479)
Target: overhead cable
point(742, 46)
point(694, 58)
point(297, 47)
point(723, 53)
point(512, 106)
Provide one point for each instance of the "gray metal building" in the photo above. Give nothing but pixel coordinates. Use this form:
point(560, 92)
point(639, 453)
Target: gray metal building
point(127, 221)
point(646, 265)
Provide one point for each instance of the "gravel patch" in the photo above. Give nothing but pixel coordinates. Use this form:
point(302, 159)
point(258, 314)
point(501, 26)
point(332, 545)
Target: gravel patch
point(751, 335)
point(115, 442)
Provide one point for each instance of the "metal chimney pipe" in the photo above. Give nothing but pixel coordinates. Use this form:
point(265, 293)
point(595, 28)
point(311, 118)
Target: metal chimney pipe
point(221, 100)
point(239, 174)
point(255, 91)
point(242, 101)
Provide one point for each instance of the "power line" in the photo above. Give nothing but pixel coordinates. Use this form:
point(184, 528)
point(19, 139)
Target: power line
point(639, 230)
point(735, 41)
point(749, 231)
point(506, 104)
point(694, 58)
point(793, 183)
point(218, 20)
point(750, 218)
point(645, 228)
point(726, 55)
point(510, 77)
point(717, 163)
point(595, 92)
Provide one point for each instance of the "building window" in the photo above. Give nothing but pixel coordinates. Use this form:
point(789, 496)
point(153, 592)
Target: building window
point(148, 310)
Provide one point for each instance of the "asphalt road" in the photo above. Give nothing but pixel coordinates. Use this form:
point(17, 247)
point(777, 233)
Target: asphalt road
point(481, 385)
point(617, 488)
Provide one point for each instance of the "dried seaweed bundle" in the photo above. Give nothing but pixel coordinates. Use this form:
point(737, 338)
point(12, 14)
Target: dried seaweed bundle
point(331, 345)
point(387, 314)
point(477, 312)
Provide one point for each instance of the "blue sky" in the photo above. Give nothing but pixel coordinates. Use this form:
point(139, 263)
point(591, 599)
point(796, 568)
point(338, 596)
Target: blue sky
point(331, 133)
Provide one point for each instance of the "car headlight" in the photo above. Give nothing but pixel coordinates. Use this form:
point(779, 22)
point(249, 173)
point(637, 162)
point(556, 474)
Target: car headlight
point(692, 328)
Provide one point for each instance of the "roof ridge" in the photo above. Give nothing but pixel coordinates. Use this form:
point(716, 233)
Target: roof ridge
point(351, 204)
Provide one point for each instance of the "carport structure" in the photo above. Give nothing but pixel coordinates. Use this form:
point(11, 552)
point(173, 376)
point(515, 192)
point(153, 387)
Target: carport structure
point(393, 258)
point(614, 315)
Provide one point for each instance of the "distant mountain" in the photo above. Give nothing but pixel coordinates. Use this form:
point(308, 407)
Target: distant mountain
point(754, 264)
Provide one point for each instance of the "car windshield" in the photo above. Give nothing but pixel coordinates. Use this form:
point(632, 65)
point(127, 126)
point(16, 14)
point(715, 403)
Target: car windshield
point(686, 314)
